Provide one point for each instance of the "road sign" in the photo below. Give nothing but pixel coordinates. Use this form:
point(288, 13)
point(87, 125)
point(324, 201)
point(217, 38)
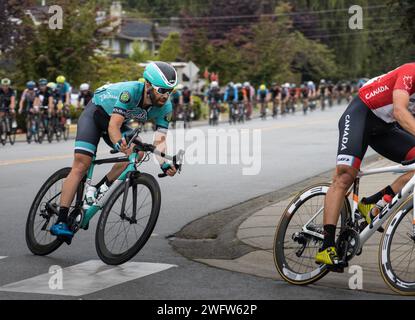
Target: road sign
point(191, 70)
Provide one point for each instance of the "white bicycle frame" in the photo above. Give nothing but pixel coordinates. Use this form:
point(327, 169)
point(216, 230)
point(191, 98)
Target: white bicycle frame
point(378, 221)
point(399, 198)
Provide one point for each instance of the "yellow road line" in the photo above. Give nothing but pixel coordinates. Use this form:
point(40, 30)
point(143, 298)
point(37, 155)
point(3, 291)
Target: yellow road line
point(20, 161)
point(30, 160)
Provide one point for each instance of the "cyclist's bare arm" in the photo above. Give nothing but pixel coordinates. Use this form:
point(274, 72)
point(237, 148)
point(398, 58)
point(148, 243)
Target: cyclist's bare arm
point(67, 100)
point(12, 103)
point(161, 145)
point(50, 103)
point(401, 112)
point(36, 102)
point(114, 132)
point(22, 100)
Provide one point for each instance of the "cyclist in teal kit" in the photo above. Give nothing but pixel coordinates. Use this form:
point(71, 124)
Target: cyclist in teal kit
point(106, 116)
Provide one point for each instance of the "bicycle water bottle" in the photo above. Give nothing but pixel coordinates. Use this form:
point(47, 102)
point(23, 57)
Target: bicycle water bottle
point(374, 212)
point(89, 197)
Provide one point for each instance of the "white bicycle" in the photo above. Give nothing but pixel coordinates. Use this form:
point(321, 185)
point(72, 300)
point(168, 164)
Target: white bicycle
point(300, 234)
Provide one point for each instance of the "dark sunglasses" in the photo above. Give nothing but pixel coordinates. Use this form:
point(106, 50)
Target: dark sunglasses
point(160, 90)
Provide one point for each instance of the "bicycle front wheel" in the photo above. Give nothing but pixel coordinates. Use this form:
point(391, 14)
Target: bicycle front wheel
point(121, 235)
point(3, 131)
point(300, 235)
point(397, 251)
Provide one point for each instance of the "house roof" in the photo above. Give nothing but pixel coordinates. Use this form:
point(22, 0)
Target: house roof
point(40, 13)
point(165, 31)
point(135, 29)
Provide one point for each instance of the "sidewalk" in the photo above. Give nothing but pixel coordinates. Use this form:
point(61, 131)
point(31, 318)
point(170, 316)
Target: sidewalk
point(259, 229)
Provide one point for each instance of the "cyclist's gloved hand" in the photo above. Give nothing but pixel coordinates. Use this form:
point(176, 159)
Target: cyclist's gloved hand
point(168, 169)
point(122, 146)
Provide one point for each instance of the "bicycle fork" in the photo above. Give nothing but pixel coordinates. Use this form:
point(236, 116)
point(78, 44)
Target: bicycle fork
point(128, 182)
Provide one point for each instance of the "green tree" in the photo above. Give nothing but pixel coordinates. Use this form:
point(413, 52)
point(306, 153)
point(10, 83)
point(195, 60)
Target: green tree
point(170, 49)
point(66, 51)
point(139, 54)
point(114, 70)
point(196, 47)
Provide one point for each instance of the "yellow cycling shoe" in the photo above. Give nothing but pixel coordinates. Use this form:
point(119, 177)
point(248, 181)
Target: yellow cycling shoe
point(365, 210)
point(328, 256)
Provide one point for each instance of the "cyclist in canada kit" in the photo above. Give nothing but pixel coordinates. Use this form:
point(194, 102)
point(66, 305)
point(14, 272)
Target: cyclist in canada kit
point(381, 117)
point(106, 116)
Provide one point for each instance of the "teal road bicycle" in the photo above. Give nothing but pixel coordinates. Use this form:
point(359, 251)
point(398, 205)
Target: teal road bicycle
point(129, 209)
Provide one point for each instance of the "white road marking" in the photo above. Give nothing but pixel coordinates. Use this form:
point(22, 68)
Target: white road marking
point(3, 257)
point(86, 278)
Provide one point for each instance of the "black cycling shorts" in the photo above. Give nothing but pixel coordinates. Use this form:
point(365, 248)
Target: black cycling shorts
point(359, 128)
point(92, 125)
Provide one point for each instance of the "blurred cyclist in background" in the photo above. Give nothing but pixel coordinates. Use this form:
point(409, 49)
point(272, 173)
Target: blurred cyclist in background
point(28, 97)
point(85, 95)
point(64, 91)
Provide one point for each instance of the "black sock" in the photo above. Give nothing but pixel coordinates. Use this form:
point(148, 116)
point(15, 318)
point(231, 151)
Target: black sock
point(63, 215)
point(329, 236)
point(109, 183)
point(377, 196)
point(104, 180)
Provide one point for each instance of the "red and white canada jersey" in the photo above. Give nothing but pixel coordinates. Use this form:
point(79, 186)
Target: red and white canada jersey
point(377, 93)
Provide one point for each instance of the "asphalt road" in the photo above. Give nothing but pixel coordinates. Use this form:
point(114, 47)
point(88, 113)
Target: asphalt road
point(290, 149)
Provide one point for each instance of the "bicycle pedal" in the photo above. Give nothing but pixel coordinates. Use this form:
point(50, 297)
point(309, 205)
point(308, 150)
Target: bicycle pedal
point(336, 268)
point(63, 239)
point(68, 241)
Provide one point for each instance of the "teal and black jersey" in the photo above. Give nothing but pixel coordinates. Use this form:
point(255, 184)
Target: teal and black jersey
point(126, 99)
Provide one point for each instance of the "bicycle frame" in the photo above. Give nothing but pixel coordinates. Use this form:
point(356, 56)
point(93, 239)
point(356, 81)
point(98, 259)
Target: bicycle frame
point(383, 216)
point(399, 198)
point(123, 178)
point(93, 210)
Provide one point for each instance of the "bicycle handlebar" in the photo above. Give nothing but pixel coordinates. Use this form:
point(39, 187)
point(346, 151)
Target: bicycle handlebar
point(132, 138)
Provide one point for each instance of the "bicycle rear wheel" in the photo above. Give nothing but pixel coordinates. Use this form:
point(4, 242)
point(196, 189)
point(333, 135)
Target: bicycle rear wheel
point(294, 249)
point(51, 132)
point(44, 213)
point(41, 131)
point(397, 251)
point(119, 238)
point(29, 132)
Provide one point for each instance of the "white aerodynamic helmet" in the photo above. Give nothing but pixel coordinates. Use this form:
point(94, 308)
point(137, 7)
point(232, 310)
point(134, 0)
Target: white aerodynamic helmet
point(214, 84)
point(84, 87)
